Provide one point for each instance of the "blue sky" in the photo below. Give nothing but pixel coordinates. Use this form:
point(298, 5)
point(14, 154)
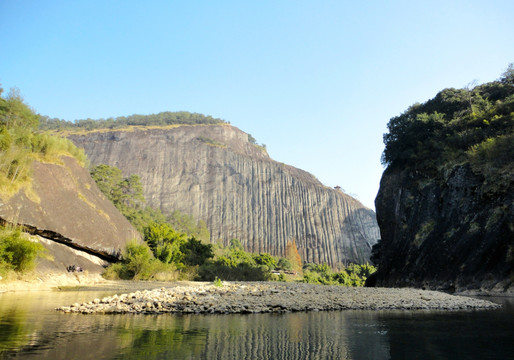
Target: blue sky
point(316, 81)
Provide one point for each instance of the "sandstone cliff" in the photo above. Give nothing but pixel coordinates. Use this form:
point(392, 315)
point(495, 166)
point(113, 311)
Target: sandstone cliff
point(215, 174)
point(65, 207)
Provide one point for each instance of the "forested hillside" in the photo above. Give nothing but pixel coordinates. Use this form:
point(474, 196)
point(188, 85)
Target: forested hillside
point(473, 125)
point(160, 119)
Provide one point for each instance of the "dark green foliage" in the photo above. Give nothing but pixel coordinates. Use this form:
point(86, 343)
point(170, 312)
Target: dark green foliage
point(165, 242)
point(235, 264)
point(428, 136)
point(353, 275)
point(266, 260)
point(173, 247)
point(127, 195)
point(284, 264)
point(507, 77)
point(195, 252)
point(160, 119)
point(18, 253)
point(138, 264)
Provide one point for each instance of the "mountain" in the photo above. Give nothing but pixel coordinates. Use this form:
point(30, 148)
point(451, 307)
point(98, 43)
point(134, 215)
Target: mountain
point(214, 173)
point(446, 201)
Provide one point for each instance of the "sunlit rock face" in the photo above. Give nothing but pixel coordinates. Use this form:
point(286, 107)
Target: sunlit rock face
point(214, 173)
point(64, 205)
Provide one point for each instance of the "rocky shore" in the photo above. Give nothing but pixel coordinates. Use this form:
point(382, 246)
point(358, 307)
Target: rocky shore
point(271, 298)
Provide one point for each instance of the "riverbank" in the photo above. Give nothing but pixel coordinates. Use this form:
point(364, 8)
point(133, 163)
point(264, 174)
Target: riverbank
point(253, 297)
point(50, 281)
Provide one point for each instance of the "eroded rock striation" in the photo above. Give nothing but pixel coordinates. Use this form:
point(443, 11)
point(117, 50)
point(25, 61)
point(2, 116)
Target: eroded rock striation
point(214, 173)
point(65, 206)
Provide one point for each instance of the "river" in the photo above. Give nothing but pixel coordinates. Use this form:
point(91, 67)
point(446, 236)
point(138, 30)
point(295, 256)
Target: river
point(30, 328)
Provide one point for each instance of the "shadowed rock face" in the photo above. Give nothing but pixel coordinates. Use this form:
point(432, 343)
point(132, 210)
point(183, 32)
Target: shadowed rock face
point(444, 232)
point(215, 174)
point(67, 207)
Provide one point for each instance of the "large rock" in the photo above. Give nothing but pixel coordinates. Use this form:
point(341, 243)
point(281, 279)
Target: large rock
point(444, 232)
point(65, 205)
point(214, 173)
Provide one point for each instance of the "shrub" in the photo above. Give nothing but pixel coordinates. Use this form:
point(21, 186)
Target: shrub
point(138, 264)
point(284, 264)
point(353, 275)
point(265, 259)
point(17, 253)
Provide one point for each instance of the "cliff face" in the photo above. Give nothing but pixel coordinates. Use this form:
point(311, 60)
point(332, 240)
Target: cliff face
point(65, 206)
point(215, 174)
point(444, 232)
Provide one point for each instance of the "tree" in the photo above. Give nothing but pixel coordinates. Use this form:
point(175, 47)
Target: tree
point(284, 264)
point(293, 255)
point(165, 242)
point(125, 193)
point(507, 77)
point(108, 179)
point(235, 244)
point(266, 260)
point(14, 113)
point(196, 253)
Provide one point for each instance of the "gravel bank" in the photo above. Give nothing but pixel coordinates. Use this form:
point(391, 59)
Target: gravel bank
point(273, 297)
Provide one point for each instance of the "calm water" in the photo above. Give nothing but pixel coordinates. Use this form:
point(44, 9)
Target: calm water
point(30, 328)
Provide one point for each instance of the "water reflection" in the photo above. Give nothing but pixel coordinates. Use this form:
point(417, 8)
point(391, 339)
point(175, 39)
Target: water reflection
point(30, 328)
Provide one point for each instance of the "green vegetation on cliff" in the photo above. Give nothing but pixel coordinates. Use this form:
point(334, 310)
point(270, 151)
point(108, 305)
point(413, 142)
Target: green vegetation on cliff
point(160, 119)
point(445, 205)
point(473, 125)
point(20, 144)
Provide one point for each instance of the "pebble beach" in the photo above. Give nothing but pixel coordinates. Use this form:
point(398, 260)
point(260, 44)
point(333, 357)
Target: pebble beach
point(272, 297)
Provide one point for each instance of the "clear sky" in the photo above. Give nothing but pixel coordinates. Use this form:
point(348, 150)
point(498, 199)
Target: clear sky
point(316, 81)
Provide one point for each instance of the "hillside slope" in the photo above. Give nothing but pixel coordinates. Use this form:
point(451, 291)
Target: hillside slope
point(215, 174)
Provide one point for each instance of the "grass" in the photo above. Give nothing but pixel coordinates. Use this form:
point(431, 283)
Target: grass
point(212, 142)
point(23, 148)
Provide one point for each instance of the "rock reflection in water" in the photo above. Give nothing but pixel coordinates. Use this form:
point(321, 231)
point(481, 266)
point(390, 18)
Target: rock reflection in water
point(291, 336)
point(30, 328)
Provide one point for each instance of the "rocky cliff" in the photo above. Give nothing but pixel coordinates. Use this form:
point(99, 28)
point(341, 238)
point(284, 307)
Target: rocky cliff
point(446, 202)
point(70, 215)
point(215, 174)
point(443, 233)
